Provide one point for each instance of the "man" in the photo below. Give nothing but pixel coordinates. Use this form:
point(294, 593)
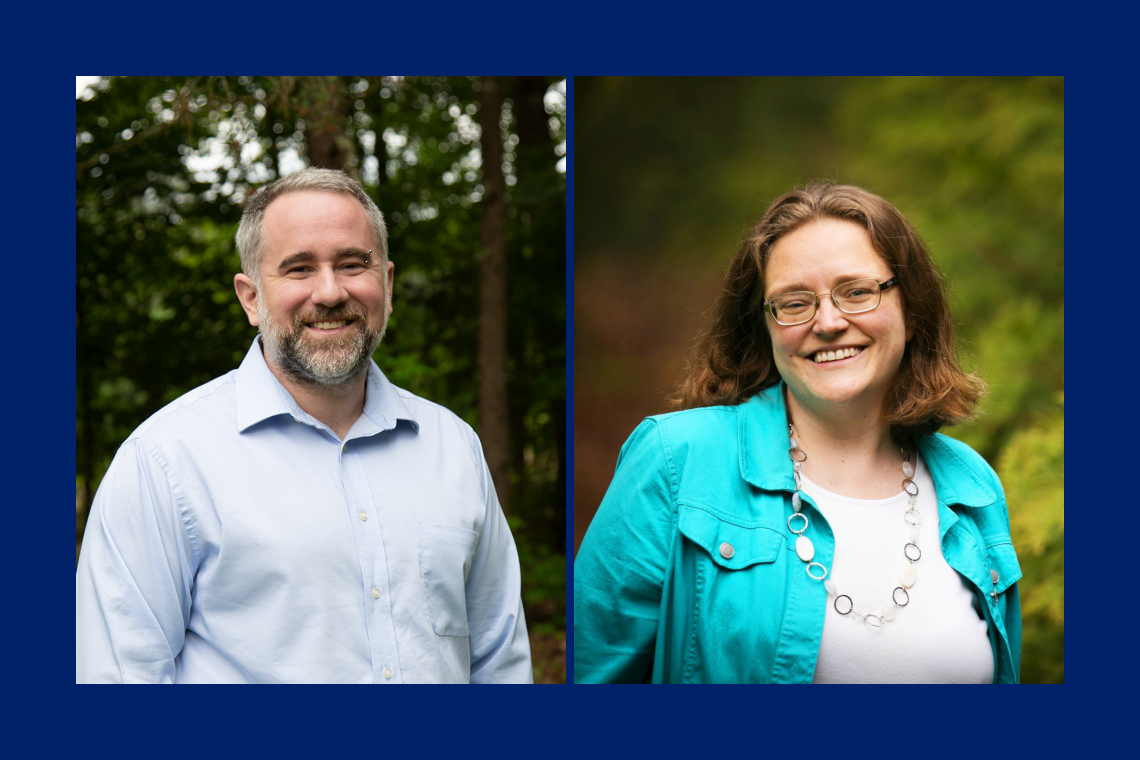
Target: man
point(302, 519)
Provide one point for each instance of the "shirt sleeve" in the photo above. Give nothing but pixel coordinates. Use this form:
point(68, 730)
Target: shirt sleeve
point(500, 649)
point(619, 572)
point(133, 580)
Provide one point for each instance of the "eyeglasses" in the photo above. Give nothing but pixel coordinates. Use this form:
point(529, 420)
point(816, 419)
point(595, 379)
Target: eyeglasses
point(853, 297)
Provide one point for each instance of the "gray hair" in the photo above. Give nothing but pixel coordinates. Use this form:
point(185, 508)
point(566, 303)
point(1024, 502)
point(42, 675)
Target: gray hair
point(250, 235)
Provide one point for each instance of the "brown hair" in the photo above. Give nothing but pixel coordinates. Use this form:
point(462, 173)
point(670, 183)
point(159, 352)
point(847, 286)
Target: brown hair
point(733, 359)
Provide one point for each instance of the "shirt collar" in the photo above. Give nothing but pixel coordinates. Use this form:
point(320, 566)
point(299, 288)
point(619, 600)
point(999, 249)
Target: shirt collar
point(764, 460)
point(260, 395)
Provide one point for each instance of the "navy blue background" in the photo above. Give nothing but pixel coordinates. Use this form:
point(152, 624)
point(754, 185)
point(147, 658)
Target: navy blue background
point(574, 39)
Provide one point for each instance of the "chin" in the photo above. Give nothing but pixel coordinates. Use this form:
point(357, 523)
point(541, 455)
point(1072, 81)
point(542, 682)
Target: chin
point(838, 392)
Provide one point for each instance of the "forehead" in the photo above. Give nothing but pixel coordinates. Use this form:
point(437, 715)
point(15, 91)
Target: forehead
point(315, 221)
point(821, 254)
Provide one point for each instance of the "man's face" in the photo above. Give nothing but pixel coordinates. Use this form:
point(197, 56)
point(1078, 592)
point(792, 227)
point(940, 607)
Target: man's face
point(323, 305)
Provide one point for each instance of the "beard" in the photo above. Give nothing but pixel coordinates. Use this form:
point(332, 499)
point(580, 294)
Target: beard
point(324, 364)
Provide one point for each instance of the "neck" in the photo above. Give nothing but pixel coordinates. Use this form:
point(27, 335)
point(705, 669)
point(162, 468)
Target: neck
point(339, 408)
point(849, 451)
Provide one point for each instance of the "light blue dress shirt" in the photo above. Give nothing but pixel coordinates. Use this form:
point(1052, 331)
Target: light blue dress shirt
point(235, 538)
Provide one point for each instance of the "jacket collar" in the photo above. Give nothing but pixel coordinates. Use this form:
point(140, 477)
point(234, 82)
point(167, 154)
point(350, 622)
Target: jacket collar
point(763, 426)
point(260, 395)
point(764, 461)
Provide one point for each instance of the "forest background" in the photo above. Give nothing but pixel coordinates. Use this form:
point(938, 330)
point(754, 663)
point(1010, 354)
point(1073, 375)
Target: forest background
point(671, 174)
point(476, 230)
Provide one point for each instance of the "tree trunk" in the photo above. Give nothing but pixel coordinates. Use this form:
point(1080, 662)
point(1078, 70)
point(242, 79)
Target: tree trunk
point(326, 114)
point(493, 407)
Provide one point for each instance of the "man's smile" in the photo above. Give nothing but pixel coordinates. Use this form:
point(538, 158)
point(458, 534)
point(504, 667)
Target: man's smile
point(329, 326)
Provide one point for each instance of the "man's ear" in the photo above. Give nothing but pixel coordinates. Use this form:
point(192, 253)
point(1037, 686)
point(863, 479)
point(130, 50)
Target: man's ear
point(391, 279)
point(247, 296)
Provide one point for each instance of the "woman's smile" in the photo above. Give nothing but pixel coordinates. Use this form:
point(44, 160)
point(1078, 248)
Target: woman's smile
point(835, 357)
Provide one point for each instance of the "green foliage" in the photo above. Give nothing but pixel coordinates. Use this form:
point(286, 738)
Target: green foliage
point(543, 583)
point(162, 166)
point(1032, 470)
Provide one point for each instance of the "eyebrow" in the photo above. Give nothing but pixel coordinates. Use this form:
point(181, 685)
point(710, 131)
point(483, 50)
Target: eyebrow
point(303, 256)
point(798, 287)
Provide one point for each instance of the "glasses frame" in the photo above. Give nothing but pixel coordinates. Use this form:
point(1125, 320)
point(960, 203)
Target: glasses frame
point(885, 285)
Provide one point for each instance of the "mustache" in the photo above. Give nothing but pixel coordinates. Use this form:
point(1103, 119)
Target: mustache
point(328, 315)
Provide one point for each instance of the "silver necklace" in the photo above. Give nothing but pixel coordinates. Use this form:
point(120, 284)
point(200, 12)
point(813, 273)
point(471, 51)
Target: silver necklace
point(798, 523)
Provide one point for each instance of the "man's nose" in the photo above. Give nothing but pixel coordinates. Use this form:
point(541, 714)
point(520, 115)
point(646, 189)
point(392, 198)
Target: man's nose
point(828, 318)
point(328, 290)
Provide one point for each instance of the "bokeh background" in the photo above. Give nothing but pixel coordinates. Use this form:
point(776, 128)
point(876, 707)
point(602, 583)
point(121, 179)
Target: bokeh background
point(671, 174)
point(470, 173)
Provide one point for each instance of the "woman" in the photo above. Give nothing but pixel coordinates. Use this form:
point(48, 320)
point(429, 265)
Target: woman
point(801, 519)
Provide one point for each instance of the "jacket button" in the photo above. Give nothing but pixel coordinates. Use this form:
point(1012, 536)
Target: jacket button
point(726, 550)
point(994, 576)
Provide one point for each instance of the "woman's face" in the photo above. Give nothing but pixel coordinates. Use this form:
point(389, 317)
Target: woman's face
point(817, 257)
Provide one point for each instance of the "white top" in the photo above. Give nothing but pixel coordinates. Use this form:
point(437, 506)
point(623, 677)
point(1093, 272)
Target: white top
point(938, 637)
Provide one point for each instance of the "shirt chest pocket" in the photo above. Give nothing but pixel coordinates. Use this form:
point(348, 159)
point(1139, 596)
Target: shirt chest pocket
point(446, 553)
point(730, 545)
point(737, 577)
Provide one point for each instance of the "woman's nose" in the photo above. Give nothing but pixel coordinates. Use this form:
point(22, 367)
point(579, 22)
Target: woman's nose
point(828, 318)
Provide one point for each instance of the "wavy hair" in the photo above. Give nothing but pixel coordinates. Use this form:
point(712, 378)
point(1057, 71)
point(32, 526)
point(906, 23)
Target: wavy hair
point(733, 358)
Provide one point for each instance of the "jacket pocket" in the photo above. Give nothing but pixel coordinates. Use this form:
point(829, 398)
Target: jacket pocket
point(1004, 568)
point(446, 553)
point(730, 545)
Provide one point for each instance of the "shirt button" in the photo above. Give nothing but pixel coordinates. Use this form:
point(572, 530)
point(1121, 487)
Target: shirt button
point(994, 576)
point(344, 447)
point(363, 515)
point(726, 550)
point(387, 672)
point(375, 593)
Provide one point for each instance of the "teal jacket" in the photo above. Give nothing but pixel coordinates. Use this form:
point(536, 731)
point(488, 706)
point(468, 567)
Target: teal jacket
point(654, 600)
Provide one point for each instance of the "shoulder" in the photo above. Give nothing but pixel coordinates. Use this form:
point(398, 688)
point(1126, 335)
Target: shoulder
point(964, 454)
point(212, 402)
point(680, 442)
point(435, 419)
point(704, 426)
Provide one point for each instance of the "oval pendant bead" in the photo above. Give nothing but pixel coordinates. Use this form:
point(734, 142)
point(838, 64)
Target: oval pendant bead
point(889, 611)
point(804, 549)
point(797, 502)
point(832, 589)
point(908, 576)
point(908, 469)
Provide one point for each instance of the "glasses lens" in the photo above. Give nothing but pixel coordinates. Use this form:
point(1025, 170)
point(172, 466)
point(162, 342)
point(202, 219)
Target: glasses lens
point(857, 295)
point(793, 308)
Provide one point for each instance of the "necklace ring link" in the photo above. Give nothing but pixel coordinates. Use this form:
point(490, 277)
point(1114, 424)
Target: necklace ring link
point(794, 516)
point(816, 577)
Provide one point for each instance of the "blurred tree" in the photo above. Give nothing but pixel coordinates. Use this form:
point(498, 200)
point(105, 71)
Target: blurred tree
point(493, 297)
point(162, 167)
